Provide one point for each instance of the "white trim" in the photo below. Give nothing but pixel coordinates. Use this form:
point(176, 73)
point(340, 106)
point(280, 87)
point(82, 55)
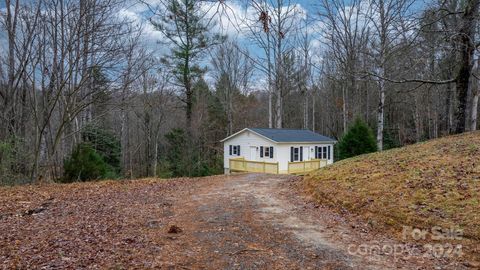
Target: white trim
point(233, 135)
point(245, 129)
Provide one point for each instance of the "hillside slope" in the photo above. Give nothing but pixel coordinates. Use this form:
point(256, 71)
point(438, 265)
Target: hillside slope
point(435, 183)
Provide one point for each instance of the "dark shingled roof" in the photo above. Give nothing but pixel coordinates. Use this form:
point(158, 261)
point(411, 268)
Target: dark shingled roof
point(292, 135)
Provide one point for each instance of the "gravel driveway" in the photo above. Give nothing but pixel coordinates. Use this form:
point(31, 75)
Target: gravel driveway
point(245, 221)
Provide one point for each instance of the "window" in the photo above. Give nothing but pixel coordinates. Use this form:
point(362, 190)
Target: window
point(266, 151)
point(319, 151)
point(322, 152)
point(296, 154)
point(234, 150)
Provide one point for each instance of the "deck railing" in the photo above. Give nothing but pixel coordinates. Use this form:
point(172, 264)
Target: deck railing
point(242, 165)
point(300, 167)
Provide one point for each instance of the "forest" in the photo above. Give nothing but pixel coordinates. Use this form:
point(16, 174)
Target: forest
point(93, 89)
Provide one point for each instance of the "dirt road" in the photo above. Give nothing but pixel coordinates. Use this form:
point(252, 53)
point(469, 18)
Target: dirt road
point(248, 221)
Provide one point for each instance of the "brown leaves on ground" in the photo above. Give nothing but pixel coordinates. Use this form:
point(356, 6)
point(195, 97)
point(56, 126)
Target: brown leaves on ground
point(96, 225)
point(435, 183)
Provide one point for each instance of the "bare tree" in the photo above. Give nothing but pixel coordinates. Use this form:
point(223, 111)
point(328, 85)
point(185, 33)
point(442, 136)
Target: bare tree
point(387, 18)
point(58, 51)
point(274, 31)
point(466, 35)
point(346, 32)
point(231, 65)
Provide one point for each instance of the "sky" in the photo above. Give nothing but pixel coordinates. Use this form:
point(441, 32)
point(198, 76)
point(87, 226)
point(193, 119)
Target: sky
point(228, 23)
point(138, 12)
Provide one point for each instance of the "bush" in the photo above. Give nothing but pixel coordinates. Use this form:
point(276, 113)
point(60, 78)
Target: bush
point(105, 144)
point(85, 164)
point(178, 155)
point(15, 161)
point(189, 157)
point(6, 162)
point(389, 140)
point(358, 140)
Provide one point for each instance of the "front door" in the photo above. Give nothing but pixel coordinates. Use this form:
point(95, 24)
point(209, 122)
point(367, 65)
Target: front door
point(253, 153)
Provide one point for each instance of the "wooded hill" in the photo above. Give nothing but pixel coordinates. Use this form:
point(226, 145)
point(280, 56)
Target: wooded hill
point(84, 88)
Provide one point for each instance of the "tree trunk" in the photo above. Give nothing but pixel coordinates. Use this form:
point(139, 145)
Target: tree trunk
point(313, 112)
point(467, 36)
point(155, 158)
point(418, 125)
point(475, 95)
point(270, 111)
point(344, 108)
point(230, 109)
point(380, 115)
point(270, 94)
point(474, 112)
point(305, 110)
point(189, 106)
point(9, 98)
point(278, 109)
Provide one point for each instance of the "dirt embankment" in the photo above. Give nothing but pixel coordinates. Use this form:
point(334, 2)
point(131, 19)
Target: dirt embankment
point(431, 189)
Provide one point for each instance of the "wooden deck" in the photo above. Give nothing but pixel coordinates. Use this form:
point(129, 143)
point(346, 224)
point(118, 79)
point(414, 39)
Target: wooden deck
point(242, 165)
point(300, 167)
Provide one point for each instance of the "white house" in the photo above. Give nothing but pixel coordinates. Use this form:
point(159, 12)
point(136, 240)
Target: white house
point(277, 145)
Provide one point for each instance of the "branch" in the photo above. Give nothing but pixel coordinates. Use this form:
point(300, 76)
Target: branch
point(413, 80)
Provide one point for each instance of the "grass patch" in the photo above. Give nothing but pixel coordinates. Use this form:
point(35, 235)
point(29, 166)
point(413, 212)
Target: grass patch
point(434, 183)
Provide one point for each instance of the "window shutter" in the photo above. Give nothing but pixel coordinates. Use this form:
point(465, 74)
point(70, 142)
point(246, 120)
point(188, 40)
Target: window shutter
point(261, 151)
point(238, 151)
point(230, 150)
point(316, 152)
point(291, 154)
point(328, 152)
point(301, 153)
point(271, 151)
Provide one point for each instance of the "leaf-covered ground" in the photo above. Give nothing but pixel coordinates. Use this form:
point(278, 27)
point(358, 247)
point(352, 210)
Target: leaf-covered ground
point(436, 183)
point(247, 221)
point(102, 224)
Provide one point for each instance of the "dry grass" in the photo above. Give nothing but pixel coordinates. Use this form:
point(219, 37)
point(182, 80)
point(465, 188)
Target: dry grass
point(435, 183)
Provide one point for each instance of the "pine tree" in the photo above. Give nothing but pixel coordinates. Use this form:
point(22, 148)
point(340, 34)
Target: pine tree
point(358, 140)
point(184, 25)
point(85, 164)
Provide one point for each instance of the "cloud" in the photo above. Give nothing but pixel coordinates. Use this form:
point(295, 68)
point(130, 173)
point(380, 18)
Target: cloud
point(136, 14)
point(234, 19)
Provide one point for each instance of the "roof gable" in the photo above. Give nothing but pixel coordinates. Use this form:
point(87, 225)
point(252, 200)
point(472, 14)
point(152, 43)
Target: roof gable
point(287, 135)
point(246, 129)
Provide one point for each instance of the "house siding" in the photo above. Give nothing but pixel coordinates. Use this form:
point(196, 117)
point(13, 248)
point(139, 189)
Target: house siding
point(281, 151)
point(308, 153)
point(246, 140)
